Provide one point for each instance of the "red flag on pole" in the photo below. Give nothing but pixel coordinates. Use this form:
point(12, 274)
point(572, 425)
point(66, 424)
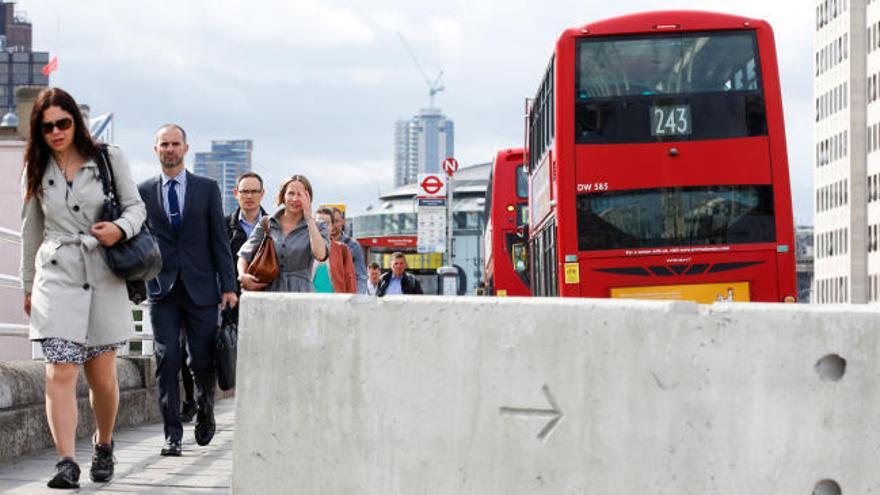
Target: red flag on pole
point(51, 66)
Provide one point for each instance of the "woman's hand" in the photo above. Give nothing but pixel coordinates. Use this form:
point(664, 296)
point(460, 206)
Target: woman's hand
point(250, 282)
point(27, 304)
point(107, 233)
point(306, 203)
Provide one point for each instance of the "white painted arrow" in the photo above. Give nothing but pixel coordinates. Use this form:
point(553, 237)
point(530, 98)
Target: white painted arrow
point(554, 415)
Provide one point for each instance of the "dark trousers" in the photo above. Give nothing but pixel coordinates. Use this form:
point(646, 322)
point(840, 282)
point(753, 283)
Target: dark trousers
point(174, 314)
point(185, 374)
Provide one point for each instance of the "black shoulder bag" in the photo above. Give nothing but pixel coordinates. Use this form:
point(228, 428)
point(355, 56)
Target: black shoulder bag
point(135, 260)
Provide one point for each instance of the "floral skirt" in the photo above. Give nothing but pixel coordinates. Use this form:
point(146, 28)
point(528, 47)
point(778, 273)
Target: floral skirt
point(61, 351)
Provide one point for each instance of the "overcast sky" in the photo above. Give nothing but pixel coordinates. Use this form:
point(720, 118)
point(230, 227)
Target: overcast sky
point(318, 84)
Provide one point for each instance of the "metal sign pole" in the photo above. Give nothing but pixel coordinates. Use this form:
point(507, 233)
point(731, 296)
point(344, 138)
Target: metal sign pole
point(449, 220)
point(448, 274)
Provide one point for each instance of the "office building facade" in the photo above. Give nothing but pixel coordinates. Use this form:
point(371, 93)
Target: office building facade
point(847, 155)
point(421, 144)
point(19, 65)
point(224, 163)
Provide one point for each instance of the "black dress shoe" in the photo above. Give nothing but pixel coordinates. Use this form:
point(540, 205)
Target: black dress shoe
point(66, 474)
point(187, 412)
point(205, 428)
point(172, 448)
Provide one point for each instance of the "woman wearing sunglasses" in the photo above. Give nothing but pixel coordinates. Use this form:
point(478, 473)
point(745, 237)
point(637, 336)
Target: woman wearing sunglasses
point(79, 310)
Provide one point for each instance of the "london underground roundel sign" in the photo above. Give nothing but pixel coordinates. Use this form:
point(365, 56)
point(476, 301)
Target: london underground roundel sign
point(431, 185)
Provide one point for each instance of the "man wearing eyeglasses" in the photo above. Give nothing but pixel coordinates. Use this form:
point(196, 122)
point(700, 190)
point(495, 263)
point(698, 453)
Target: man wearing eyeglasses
point(239, 225)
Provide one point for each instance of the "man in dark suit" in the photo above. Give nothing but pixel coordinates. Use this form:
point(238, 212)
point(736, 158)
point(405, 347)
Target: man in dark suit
point(186, 216)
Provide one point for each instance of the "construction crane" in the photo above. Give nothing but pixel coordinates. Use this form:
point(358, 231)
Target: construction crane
point(433, 87)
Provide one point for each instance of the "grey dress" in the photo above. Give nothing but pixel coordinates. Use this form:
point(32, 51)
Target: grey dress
point(294, 253)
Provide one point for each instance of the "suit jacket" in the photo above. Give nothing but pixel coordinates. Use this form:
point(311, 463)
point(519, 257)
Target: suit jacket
point(199, 255)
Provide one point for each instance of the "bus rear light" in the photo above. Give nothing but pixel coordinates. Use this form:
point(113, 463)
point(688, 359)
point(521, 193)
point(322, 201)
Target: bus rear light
point(511, 208)
point(661, 27)
point(789, 299)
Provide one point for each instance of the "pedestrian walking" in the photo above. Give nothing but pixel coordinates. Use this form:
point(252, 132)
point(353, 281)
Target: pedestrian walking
point(79, 309)
point(240, 224)
point(398, 281)
point(299, 240)
point(357, 254)
point(373, 273)
point(339, 267)
point(185, 213)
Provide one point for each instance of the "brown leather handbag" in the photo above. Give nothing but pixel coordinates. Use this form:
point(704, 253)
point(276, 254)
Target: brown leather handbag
point(264, 265)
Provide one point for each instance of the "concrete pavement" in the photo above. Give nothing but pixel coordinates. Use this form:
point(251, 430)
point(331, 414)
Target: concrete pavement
point(140, 468)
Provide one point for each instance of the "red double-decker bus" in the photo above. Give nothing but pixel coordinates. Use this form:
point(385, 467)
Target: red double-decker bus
point(506, 219)
point(657, 162)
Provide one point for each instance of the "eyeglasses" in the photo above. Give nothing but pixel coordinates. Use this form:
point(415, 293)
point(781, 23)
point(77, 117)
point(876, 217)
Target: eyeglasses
point(249, 192)
point(62, 125)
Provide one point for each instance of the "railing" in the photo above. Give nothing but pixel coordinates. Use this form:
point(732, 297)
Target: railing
point(141, 343)
point(10, 236)
point(13, 330)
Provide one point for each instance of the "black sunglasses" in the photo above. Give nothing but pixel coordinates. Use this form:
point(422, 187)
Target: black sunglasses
point(62, 125)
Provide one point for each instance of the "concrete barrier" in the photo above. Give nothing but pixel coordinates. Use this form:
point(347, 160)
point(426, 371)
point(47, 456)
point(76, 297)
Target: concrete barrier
point(23, 426)
point(347, 394)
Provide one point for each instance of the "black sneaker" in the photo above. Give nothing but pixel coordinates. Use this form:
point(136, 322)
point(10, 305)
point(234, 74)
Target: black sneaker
point(102, 463)
point(66, 474)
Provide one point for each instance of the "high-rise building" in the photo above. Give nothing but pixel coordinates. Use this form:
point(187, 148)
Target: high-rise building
point(19, 66)
point(224, 163)
point(847, 162)
point(421, 144)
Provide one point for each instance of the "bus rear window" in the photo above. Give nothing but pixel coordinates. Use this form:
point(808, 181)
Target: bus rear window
point(677, 87)
point(678, 216)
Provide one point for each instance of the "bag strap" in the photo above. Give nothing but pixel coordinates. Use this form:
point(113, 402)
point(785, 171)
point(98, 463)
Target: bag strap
point(266, 233)
point(265, 223)
point(105, 169)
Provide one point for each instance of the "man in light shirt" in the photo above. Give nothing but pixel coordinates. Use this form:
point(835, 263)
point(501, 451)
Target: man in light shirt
point(373, 273)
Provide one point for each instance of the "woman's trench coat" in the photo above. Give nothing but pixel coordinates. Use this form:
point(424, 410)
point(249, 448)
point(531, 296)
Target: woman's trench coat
point(74, 295)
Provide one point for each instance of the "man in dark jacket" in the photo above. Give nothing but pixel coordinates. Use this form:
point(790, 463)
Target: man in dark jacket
point(397, 281)
point(239, 225)
point(249, 193)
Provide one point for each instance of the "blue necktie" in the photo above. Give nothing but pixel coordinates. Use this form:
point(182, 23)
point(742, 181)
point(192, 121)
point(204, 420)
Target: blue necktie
point(174, 207)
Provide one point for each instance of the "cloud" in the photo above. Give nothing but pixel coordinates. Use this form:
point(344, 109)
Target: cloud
point(318, 84)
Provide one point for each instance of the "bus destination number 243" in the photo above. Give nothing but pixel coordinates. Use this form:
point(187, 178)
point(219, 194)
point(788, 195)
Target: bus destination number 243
point(671, 120)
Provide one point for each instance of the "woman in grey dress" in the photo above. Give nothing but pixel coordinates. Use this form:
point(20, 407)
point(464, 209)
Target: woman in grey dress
point(79, 309)
point(299, 240)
